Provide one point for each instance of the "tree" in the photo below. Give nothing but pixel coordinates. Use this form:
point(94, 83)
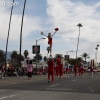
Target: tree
point(58, 56)
point(2, 56)
point(26, 53)
point(14, 55)
point(85, 56)
point(15, 59)
point(38, 57)
point(74, 62)
point(45, 58)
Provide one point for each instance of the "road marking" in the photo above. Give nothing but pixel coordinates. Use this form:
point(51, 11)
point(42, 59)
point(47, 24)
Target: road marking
point(60, 89)
point(7, 97)
point(53, 85)
point(74, 80)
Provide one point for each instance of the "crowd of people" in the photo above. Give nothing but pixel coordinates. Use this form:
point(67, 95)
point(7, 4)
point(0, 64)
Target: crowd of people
point(54, 68)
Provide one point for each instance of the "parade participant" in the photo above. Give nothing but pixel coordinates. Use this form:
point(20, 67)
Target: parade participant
point(51, 70)
point(75, 70)
point(57, 69)
point(58, 60)
point(29, 68)
point(61, 69)
point(67, 70)
point(50, 38)
point(80, 70)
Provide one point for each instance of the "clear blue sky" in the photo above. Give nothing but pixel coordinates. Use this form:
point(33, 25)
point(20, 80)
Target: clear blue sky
point(46, 15)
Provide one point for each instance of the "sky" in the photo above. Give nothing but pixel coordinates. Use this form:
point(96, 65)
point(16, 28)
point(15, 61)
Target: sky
point(46, 15)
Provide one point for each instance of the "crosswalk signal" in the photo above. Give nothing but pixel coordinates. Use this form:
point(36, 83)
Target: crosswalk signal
point(66, 57)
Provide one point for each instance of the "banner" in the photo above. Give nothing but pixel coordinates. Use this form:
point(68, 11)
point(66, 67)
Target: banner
point(35, 49)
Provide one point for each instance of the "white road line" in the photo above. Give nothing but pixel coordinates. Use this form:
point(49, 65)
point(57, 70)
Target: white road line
point(60, 89)
point(74, 80)
point(7, 97)
point(53, 85)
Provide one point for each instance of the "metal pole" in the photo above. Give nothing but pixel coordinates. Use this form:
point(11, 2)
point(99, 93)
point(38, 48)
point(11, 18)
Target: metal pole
point(8, 34)
point(21, 30)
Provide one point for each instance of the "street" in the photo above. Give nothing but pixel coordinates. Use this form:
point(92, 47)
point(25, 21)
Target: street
point(38, 88)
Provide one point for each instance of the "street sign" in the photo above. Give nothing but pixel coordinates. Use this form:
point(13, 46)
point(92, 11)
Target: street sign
point(35, 49)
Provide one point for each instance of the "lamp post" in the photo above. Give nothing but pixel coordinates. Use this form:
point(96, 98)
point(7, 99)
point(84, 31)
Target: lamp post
point(68, 51)
point(79, 25)
point(35, 50)
point(96, 52)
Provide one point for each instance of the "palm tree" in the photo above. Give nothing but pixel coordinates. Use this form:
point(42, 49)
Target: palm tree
point(26, 53)
point(85, 56)
point(38, 57)
point(79, 25)
point(8, 33)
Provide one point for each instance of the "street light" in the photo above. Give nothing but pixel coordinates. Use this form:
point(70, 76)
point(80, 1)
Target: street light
point(96, 52)
point(35, 50)
point(79, 25)
point(68, 51)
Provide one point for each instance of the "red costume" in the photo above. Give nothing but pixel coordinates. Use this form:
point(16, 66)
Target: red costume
point(51, 70)
point(75, 69)
point(57, 70)
point(61, 69)
point(49, 41)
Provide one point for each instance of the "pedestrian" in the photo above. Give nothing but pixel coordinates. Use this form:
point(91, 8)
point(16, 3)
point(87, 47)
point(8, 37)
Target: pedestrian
point(51, 70)
point(75, 69)
point(50, 38)
point(29, 68)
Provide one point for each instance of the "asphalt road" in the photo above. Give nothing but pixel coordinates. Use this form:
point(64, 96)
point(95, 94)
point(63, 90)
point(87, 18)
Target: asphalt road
point(72, 88)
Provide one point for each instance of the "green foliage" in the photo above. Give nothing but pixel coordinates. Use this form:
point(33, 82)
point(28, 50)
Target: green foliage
point(45, 58)
point(74, 62)
point(58, 56)
point(26, 53)
point(38, 57)
point(85, 56)
point(2, 56)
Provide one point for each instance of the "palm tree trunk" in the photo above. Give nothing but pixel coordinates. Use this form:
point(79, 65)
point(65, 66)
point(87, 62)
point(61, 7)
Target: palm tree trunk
point(8, 34)
point(21, 30)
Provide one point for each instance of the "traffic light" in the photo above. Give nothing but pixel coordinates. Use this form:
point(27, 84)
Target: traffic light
point(66, 57)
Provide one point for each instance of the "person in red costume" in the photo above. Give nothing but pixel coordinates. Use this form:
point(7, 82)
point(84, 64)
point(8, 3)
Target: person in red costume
point(51, 70)
point(57, 69)
point(75, 70)
point(50, 38)
point(61, 69)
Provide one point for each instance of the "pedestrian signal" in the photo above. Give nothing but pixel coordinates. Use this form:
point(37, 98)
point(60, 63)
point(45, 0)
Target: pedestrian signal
point(66, 57)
